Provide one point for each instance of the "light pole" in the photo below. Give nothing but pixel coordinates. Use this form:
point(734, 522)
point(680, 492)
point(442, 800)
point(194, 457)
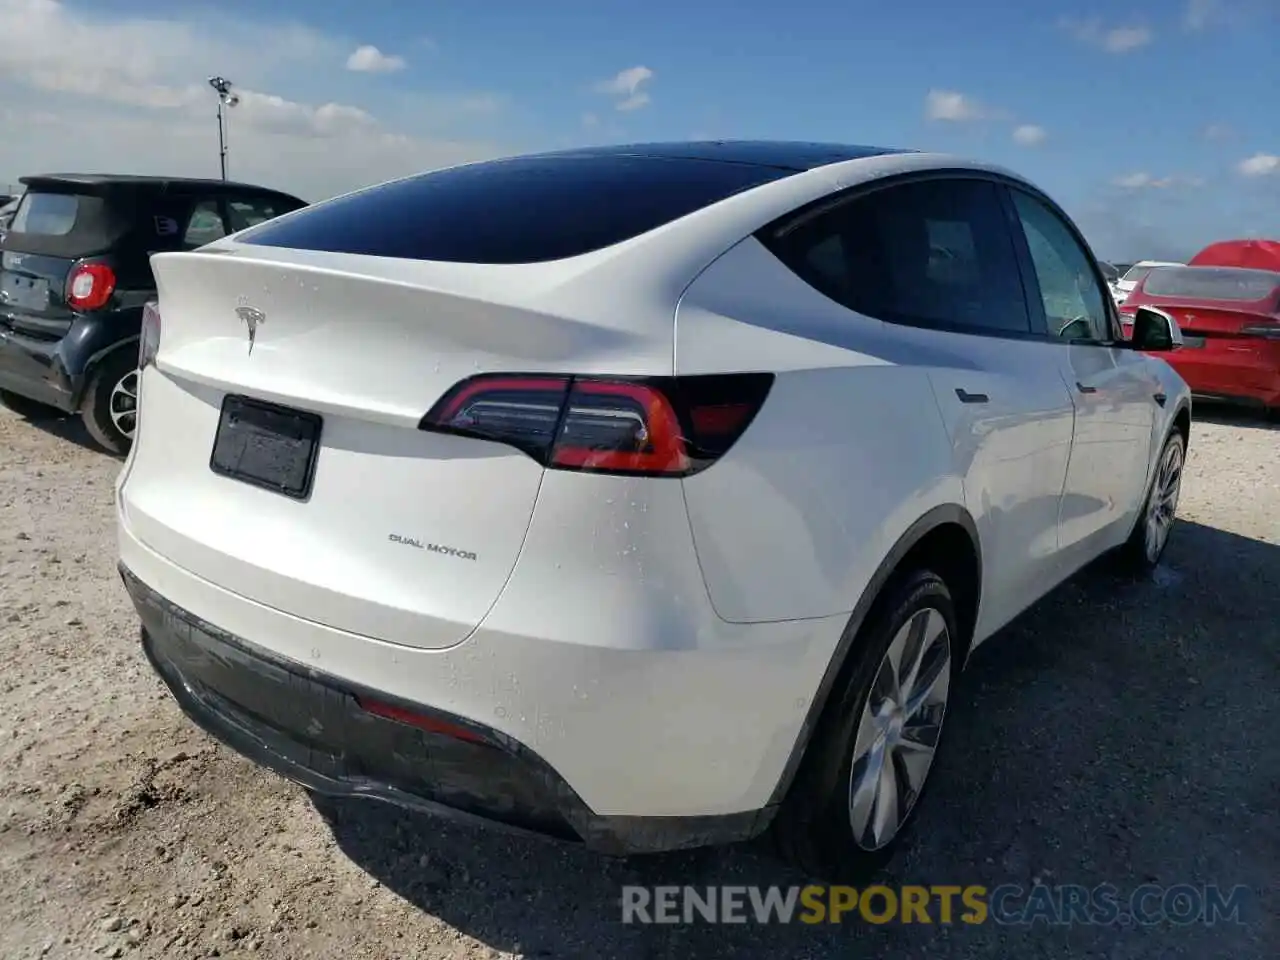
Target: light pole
point(222, 86)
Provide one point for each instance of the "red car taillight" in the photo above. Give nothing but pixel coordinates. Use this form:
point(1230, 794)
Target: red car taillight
point(658, 426)
point(149, 341)
point(90, 286)
point(1268, 331)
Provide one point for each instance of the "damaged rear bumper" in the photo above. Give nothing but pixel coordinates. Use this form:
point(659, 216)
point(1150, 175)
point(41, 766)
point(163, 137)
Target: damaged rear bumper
point(340, 740)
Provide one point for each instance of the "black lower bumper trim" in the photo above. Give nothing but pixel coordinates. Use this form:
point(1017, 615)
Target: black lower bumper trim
point(310, 728)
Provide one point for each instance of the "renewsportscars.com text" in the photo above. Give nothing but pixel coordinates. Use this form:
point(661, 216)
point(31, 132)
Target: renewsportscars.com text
point(1007, 904)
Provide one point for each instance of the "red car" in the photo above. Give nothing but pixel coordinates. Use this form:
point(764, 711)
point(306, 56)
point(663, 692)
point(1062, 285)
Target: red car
point(1230, 320)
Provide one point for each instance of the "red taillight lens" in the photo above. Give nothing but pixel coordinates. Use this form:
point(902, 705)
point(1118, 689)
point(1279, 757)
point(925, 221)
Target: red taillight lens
point(662, 426)
point(90, 286)
point(149, 341)
point(1267, 331)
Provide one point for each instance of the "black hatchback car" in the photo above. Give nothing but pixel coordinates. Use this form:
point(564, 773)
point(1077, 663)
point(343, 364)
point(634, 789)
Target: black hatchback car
point(76, 272)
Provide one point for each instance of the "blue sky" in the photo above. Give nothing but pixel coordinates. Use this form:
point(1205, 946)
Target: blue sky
point(1156, 122)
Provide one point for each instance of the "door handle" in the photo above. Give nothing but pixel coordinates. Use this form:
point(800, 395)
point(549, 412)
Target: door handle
point(967, 397)
point(1160, 398)
point(1085, 388)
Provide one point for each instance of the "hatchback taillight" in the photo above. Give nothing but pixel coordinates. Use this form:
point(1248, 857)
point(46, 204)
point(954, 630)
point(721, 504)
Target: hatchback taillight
point(660, 426)
point(149, 340)
point(90, 286)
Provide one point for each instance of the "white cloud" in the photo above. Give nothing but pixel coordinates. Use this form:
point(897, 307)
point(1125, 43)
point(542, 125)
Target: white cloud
point(1217, 131)
point(625, 88)
point(1260, 165)
point(369, 59)
point(1145, 181)
point(1030, 135)
point(146, 108)
point(1199, 14)
point(1120, 39)
point(953, 107)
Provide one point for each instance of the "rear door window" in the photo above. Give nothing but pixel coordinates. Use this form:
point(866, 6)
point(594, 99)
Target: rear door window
point(46, 214)
point(524, 210)
point(934, 253)
point(205, 224)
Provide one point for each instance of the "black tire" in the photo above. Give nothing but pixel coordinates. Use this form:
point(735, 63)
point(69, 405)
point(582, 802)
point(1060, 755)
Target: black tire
point(1135, 557)
point(813, 829)
point(95, 408)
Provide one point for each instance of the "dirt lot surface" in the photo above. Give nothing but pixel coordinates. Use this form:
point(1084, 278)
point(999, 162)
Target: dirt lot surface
point(1122, 733)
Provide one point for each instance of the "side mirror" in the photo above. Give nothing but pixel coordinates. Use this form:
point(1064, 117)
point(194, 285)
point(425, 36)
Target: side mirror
point(1155, 331)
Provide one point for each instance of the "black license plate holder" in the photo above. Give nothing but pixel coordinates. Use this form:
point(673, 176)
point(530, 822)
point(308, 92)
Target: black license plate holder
point(267, 446)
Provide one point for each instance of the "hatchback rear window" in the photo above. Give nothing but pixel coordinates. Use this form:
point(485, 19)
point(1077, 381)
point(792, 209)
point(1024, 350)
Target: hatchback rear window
point(525, 210)
point(1212, 283)
point(47, 214)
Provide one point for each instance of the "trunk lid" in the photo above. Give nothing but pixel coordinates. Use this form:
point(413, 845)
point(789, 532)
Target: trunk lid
point(1207, 321)
point(405, 535)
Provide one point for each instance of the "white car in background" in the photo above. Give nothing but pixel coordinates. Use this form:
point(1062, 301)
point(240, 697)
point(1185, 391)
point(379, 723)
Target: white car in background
point(644, 496)
point(1133, 276)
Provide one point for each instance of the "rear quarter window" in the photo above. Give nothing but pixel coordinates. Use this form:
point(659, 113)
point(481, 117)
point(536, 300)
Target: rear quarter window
point(524, 210)
point(47, 214)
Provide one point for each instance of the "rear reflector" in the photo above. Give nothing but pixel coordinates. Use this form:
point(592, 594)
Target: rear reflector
point(660, 426)
point(420, 720)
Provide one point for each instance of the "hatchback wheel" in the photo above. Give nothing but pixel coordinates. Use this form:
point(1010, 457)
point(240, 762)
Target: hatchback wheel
point(110, 406)
point(866, 769)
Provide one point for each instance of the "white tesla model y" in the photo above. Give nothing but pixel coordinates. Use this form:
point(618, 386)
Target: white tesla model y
point(644, 496)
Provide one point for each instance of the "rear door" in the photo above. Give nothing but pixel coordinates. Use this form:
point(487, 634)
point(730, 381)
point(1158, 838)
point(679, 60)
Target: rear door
point(934, 259)
point(1114, 388)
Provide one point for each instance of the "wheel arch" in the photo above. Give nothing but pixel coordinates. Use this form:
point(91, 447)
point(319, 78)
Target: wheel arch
point(948, 536)
point(1182, 421)
point(95, 360)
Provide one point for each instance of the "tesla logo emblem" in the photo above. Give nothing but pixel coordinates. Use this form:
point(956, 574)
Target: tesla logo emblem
point(253, 318)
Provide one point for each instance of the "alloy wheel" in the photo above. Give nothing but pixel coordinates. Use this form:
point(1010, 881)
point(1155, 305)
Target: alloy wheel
point(122, 406)
point(899, 729)
point(1163, 504)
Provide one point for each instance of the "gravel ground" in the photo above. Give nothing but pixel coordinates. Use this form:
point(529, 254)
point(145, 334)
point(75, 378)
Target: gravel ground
point(1116, 733)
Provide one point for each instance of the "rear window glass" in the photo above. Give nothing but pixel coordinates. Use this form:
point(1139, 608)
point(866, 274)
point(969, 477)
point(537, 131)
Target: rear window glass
point(524, 210)
point(1212, 283)
point(48, 214)
point(1134, 274)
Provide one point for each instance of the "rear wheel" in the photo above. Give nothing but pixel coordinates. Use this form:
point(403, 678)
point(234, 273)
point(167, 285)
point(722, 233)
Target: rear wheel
point(865, 771)
point(1141, 553)
point(110, 406)
point(28, 408)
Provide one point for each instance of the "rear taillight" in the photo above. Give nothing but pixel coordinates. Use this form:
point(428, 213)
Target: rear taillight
point(658, 426)
point(90, 286)
point(149, 341)
point(1268, 331)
